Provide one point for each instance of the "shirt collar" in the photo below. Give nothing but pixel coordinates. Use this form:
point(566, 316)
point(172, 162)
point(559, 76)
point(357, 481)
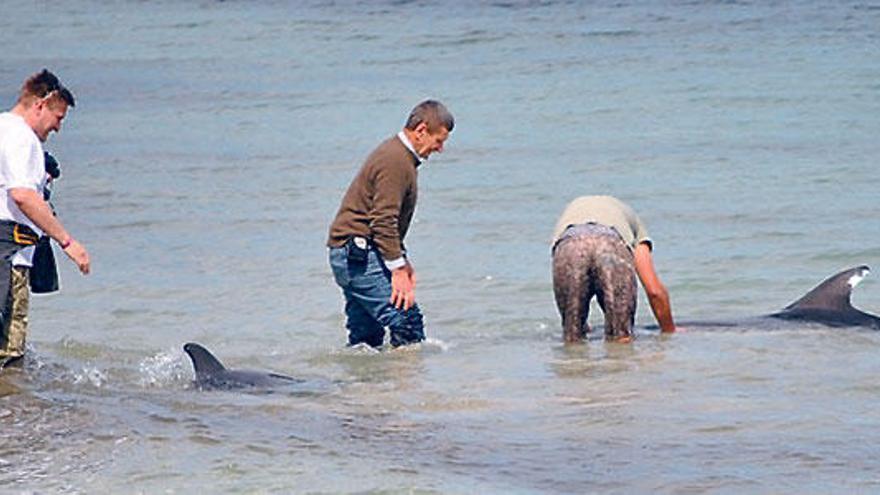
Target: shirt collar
point(405, 140)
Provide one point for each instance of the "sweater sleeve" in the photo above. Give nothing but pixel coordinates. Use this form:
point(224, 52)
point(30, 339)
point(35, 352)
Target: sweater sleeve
point(390, 186)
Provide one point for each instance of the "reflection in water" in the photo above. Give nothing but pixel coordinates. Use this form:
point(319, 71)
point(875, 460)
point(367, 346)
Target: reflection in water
point(44, 440)
point(600, 358)
point(7, 388)
point(363, 364)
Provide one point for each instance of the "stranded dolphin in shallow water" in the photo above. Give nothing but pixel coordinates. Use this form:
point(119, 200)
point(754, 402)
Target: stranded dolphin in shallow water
point(827, 304)
point(211, 374)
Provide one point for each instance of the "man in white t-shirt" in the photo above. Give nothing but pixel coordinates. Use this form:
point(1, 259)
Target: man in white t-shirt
point(33, 269)
point(24, 214)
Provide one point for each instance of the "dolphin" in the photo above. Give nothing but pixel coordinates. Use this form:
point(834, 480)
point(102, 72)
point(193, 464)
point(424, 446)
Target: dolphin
point(828, 304)
point(211, 374)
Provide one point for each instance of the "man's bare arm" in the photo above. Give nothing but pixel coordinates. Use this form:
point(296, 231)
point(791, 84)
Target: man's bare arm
point(657, 294)
point(34, 207)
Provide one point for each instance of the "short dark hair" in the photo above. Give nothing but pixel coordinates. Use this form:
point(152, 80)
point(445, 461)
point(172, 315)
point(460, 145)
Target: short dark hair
point(42, 85)
point(433, 113)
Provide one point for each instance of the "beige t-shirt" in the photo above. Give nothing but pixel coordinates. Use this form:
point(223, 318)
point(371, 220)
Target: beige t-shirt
point(604, 210)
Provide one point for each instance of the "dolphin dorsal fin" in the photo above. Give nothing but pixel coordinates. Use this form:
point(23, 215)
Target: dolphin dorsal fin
point(204, 363)
point(833, 293)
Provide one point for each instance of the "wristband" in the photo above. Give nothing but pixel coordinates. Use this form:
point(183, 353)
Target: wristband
point(66, 243)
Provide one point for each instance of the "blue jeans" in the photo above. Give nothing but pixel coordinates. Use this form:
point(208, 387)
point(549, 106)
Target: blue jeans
point(366, 285)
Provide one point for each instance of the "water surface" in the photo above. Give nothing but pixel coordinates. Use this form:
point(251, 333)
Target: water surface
point(209, 149)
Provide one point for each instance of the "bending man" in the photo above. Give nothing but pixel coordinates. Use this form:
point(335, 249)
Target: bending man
point(599, 246)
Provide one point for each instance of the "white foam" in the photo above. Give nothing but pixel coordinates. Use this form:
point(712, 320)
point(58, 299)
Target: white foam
point(431, 343)
point(163, 368)
point(94, 376)
point(361, 348)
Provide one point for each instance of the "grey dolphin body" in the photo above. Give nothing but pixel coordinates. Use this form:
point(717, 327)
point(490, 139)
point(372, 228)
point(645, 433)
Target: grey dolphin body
point(211, 374)
point(827, 304)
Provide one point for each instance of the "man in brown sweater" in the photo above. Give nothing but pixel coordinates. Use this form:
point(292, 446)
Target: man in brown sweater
point(367, 253)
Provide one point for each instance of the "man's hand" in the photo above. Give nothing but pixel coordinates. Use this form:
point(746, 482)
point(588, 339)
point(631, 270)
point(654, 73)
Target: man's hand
point(657, 294)
point(403, 287)
point(78, 254)
point(35, 207)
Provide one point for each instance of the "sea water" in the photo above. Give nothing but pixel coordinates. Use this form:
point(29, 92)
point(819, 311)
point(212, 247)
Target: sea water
point(209, 149)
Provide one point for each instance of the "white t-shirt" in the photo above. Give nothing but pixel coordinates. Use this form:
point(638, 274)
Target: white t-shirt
point(21, 165)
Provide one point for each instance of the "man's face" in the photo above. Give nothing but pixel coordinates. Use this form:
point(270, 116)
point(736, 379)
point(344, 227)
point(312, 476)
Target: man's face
point(49, 114)
point(427, 142)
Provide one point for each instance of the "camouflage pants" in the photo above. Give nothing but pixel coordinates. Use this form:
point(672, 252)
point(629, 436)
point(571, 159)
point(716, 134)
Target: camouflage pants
point(14, 332)
point(592, 260)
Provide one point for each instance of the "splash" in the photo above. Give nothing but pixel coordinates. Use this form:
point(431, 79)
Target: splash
point(90, 375)
point(431, 344)
point(164, 368)
point(360, 349)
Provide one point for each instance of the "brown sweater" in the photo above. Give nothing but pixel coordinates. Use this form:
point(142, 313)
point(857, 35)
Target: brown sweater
point(380, 201)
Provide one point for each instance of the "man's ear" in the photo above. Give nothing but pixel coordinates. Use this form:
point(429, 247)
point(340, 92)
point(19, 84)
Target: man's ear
point(39, 104)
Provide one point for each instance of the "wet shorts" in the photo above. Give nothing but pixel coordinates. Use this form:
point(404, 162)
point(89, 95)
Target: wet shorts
point(593, 260)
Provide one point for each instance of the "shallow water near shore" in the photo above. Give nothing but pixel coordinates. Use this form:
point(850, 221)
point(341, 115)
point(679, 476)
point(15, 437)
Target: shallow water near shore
point(212, 142)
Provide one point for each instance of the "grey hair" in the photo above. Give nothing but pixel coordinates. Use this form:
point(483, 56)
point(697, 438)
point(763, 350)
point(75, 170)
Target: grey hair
point(433, 113)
